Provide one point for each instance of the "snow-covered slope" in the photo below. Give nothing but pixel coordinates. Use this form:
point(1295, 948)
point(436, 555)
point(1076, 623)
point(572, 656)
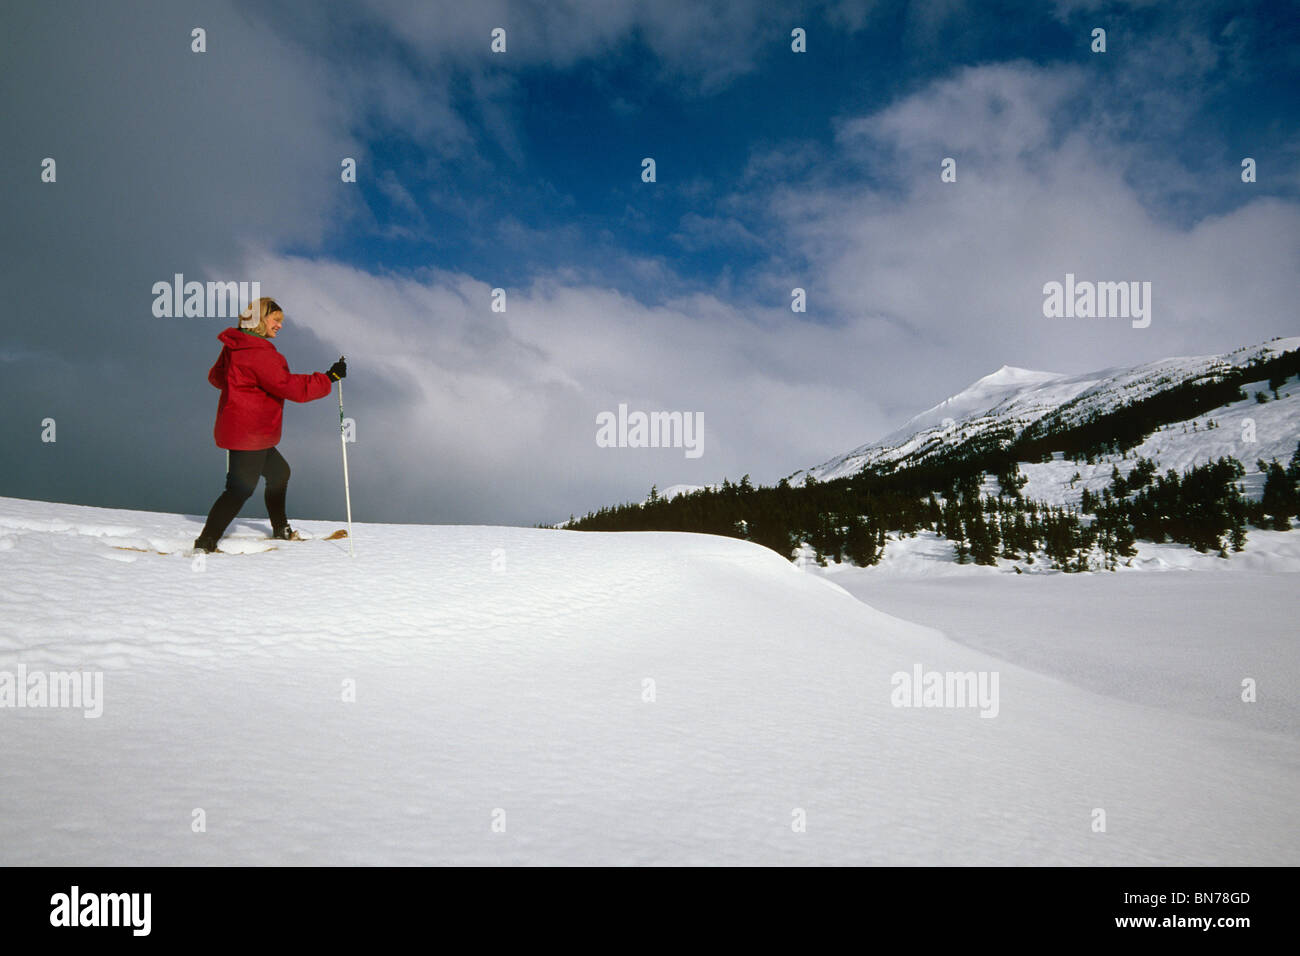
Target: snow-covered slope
point(1004, 387)
point(1011, 399)
point(511, 695)
point(1182, 640)
point(1245, 430)
point(672, 491)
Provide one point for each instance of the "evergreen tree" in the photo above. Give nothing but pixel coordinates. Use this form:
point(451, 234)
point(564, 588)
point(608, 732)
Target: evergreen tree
point(1279, 500)
point(1123, 539)
point(982, 548)
point(1010, 480)
point(934, 514)
point(861, 545)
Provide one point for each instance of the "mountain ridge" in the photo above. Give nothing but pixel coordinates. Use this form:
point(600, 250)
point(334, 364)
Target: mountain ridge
point(1011, 400)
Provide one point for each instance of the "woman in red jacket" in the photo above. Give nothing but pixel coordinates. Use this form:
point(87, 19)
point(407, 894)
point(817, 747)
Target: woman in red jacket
point(255, 380)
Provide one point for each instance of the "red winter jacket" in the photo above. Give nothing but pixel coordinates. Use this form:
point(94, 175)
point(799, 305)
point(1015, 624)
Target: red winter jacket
point(255, 380)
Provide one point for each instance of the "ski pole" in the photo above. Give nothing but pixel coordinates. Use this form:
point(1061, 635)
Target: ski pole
point(347, 490)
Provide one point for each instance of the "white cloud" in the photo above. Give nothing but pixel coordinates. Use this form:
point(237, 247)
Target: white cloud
point(1042, 190)
point(463, 394)
point(995, 113)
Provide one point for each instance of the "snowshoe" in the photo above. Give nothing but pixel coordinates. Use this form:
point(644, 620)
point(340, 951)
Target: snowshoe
point(203, 546)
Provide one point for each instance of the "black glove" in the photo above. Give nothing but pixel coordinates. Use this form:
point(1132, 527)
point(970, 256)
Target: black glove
point(338, 370)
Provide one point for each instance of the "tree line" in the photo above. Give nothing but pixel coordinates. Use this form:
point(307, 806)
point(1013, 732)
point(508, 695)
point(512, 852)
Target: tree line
point(851, 518)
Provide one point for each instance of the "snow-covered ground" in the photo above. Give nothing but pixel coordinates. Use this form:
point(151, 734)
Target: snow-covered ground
point(1182, 640)
point(542, 696)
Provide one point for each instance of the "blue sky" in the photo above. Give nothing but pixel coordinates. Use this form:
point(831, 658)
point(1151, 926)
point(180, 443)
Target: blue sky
point(522, 171)
point(567, 163)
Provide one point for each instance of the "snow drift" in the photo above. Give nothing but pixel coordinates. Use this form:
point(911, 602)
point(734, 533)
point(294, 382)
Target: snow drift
point(482, 695)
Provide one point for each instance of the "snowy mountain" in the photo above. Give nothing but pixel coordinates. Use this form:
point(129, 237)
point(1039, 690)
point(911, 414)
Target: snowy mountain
point(672, 491)
point(1011, 400)
point(1176, 450)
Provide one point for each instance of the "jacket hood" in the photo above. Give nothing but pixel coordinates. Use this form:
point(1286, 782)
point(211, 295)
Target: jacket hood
point(238, 339)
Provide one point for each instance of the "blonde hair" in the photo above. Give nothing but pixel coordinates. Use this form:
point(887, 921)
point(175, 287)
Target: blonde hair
point(261, 308)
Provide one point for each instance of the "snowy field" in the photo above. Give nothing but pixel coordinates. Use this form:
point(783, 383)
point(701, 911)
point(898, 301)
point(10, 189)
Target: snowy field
point(554, 697)
point(1182, 640)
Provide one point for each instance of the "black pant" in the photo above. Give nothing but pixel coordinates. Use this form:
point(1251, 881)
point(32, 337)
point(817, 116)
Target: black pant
point(241, 480)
